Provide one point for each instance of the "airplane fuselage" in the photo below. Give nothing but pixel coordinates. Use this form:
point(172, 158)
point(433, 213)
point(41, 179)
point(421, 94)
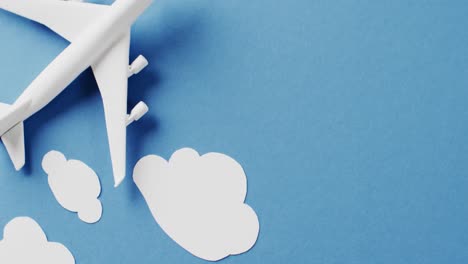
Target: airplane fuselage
point(88, 47)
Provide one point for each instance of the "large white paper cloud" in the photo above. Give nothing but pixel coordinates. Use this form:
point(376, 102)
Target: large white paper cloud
point(24, 242)
point(199, 202)
point(75, 186)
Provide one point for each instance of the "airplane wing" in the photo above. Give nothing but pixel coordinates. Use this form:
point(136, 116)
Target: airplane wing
point(13, 137)
point(66, 18)
point(14, 143)
point(111, 74)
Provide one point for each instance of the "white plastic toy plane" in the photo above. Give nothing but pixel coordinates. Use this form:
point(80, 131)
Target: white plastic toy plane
point(100, 39)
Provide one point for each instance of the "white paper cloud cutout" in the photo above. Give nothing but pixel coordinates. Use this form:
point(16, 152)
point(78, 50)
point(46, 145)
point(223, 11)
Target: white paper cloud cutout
point(24, 242)
point(199, 202)
point(75, 186)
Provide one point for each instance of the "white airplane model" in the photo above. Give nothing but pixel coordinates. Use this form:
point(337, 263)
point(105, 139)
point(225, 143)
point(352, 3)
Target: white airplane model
point(100, 39)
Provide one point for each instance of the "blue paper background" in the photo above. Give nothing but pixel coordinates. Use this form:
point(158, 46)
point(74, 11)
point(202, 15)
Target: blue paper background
point(349, 117)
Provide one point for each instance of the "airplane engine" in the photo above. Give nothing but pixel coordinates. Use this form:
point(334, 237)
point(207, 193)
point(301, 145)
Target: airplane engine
point(137, 65)
point(137, 112)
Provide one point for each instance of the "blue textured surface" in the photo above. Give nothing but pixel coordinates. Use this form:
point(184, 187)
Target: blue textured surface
point(350, 118)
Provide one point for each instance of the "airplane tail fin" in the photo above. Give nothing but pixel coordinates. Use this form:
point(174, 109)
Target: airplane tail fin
point(13, 138)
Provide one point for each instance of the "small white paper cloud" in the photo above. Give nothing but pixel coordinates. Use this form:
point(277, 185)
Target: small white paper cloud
point(199, 202)
point(75, 186)
point(24, 242)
